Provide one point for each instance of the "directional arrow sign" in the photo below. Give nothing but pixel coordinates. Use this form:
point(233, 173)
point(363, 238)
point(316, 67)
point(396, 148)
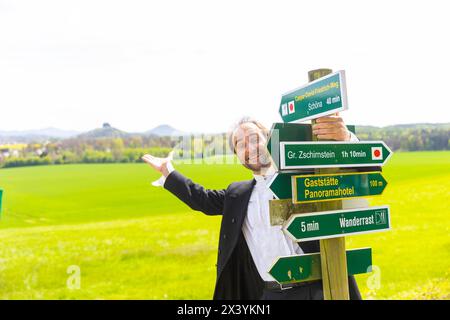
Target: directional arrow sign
point(325, 187)
point(289, 132)
point(281, 185)
point(332, 154)
point(307, 267)
point(336, 223)
point(319, 98)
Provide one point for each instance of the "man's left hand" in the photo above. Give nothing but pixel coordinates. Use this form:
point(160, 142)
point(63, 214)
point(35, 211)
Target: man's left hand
point(331, 128)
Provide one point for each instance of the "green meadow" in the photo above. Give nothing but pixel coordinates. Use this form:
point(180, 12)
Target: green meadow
point(130, 240)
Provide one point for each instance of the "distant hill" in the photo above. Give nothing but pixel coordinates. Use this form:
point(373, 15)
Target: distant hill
point(106, 131)
point(27, 136)
point(46, 132)
point(165, 130)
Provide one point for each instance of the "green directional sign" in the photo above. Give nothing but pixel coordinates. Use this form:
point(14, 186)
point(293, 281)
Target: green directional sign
point(1, 195)
point(332, 154)
point(319, 98)
point(336, 223)
point(281, 185)
point(325, 187)
point(307, 267)
point(289, 132)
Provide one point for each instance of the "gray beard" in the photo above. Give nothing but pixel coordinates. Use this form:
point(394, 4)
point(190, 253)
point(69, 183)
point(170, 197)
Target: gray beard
point(257, 168)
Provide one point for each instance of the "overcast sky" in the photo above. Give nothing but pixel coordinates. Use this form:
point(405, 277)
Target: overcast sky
point(201, 65)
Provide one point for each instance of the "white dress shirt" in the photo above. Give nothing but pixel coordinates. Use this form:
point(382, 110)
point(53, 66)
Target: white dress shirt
point(265, 242)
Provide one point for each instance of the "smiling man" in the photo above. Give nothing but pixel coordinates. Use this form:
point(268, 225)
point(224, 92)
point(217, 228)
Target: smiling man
point(248, 244)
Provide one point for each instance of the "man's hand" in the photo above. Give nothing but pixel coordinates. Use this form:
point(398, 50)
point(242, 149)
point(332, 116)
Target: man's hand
point(331, 128)
point(159, 164)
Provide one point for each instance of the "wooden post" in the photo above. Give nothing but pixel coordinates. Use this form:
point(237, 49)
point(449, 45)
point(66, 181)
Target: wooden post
point(332, 251)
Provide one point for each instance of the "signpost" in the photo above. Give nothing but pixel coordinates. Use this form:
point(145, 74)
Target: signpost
point(318, 98)
point(1, 194)
point(333, 154)
point(312, 204)
point(336, 223)
point(325, 187)
point(307, 267)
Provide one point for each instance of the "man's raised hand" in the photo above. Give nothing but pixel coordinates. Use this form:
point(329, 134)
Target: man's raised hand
point(331, 128)
point(159, 164)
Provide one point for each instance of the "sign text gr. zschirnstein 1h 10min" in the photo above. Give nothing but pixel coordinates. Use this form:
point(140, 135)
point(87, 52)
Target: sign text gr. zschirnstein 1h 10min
point(332, 154)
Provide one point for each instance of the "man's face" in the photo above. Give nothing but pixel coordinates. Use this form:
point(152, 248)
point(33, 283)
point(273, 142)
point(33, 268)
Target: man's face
point(250, 144)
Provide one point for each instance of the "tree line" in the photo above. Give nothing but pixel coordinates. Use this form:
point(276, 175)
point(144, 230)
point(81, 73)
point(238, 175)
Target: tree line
point(423, 137)
point(130, 149)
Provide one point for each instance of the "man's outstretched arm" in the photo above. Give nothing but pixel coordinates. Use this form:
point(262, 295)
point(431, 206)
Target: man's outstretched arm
point(210, 202)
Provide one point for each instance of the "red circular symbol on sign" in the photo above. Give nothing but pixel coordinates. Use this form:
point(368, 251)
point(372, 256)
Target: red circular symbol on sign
point(377, 153)
point(291, 106)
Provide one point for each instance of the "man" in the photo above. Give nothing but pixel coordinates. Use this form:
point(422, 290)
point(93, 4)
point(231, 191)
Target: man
point(248, 244)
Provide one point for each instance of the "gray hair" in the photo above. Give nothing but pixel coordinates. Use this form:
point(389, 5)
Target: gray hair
point(238, 124)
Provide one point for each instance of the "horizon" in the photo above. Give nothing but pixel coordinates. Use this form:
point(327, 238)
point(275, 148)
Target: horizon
point(192, 132)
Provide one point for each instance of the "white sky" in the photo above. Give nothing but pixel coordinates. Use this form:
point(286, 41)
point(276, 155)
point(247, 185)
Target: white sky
point(201, 65)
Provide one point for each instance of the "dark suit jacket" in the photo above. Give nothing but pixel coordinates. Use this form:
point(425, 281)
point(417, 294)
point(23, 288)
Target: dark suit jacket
point(232, 203)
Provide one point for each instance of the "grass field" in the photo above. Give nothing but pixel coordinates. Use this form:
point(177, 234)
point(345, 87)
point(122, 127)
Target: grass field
point(135, 241)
